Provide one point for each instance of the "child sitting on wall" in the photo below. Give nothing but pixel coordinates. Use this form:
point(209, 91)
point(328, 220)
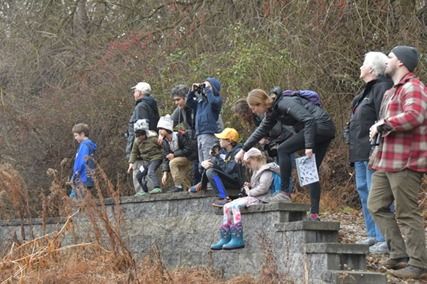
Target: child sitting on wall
point(257, 191)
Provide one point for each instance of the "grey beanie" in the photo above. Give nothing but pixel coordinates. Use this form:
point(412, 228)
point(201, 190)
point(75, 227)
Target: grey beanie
point(408, 55)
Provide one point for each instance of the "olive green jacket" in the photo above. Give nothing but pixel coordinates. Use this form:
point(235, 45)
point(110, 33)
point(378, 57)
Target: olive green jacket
point(146, 150)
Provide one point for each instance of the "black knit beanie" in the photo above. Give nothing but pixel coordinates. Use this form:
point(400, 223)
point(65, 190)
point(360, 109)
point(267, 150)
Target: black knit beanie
point(408, 55)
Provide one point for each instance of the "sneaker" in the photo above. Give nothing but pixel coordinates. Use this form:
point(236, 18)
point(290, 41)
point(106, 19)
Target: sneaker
point(396, 263)
point(140, 193)
point(311, 217)
point(410, 272)
point(195, 188)
point(370, 241)
point(176, 189)
point(379, 248)
point(156, 190)
point(220, 202)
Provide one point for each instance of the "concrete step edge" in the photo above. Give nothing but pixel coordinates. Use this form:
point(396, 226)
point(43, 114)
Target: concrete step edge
point(336, 248)
point(307, 226)
point(353, 276)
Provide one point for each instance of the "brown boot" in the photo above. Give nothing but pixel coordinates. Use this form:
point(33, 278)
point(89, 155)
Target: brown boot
point(410, 272)
point(396, 263)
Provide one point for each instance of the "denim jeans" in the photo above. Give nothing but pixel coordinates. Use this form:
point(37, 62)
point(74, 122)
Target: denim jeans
point(204, 145)
point(363, 186)
point(149, 174)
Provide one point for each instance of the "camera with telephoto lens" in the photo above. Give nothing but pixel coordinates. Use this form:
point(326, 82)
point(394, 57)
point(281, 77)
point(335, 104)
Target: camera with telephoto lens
point(376, 140)
point(214, 151)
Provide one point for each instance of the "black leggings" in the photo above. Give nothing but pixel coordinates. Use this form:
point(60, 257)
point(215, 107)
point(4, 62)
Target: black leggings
point(290, 146)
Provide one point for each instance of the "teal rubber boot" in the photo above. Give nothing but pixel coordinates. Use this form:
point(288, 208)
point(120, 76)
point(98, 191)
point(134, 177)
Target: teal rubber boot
point(225, 237)
point(236, 241)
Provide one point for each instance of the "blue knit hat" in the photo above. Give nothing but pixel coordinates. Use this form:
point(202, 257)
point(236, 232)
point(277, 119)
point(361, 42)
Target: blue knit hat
point(216, 85)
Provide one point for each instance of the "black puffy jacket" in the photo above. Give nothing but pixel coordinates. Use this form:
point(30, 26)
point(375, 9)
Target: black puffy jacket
point(365, 109)
point(145, 108)
point(298, 112)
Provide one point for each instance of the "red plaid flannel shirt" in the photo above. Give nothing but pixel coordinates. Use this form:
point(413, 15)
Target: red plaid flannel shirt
point(404, 109)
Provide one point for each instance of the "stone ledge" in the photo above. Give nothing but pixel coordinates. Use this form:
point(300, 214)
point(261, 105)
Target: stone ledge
point(271, 207)
point(336, 248)
point(307, 226)
point(35, 221)
point(167, 196)
point(277, 206)
point(353, 277)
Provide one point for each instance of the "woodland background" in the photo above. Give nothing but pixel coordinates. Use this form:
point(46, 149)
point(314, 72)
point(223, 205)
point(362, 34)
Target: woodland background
point(69, 61)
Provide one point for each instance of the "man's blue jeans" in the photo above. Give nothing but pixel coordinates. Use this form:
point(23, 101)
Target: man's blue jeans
point(363, 186)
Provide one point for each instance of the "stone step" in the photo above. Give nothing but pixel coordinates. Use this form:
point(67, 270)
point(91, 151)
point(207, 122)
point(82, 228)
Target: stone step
point(353, 277)
point(336, 256)
point(309, 232)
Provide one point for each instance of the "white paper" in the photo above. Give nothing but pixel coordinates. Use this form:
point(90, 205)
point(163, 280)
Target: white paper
point(307, 170)
point(141, 169)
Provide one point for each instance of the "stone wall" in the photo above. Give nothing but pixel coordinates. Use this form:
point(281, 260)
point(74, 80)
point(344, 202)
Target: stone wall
point(184, 225)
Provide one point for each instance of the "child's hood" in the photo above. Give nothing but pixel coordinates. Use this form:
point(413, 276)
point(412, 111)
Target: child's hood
point(90, 144)
point(271, 167)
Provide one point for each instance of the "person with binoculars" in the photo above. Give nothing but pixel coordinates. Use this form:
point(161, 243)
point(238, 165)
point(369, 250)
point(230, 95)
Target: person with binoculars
point(205, 100)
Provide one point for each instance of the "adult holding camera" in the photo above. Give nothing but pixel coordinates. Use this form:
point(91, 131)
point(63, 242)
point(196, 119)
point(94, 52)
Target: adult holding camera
point(314, 132)
point(400, 161)
point(206, 101)
point(221, 170)
point(365, 109)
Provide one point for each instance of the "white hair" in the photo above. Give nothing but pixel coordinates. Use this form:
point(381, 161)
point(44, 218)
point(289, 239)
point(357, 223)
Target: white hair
point(377, 61)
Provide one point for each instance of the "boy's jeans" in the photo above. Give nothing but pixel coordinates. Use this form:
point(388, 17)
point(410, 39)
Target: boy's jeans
point(149, 174)
point(363, 185)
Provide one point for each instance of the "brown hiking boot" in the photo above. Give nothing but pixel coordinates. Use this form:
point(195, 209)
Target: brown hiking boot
point(410, 272)
point(396, 263)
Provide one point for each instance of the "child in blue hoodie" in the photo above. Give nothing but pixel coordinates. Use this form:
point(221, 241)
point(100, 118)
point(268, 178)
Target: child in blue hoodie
point(83, 162)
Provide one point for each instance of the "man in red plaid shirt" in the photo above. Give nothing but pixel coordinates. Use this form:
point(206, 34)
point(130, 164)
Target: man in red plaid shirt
point(400, 161)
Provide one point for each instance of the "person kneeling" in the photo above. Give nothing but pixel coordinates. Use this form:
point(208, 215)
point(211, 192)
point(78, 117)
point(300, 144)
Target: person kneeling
point(148, 153)
point(222, 171)
point(258, 191)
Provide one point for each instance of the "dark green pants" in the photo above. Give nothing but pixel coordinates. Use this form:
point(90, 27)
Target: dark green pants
point(403, 188)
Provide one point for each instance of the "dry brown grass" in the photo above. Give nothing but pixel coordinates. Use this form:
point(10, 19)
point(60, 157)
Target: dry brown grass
point(105, 258)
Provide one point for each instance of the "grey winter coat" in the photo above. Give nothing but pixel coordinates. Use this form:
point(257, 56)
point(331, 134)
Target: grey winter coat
point(261, 182)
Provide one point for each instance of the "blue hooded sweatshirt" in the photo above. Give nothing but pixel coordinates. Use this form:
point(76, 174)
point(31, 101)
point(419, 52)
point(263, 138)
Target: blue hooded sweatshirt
point(207, 108)
point(86, 149)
